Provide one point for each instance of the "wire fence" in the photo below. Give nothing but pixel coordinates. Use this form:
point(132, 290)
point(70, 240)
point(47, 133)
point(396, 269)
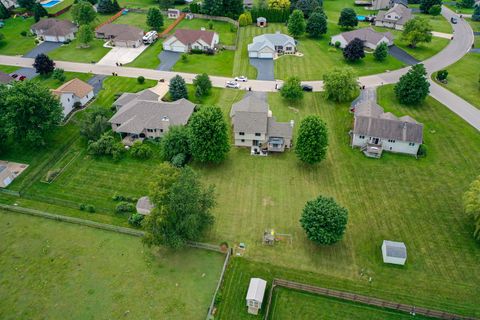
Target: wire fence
point(219, 285)
point(362, 299)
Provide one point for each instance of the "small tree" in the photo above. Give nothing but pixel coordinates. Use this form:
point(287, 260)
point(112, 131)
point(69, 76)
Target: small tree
point(354, 50)
point(242, 20)
point(141, 150)
point(202, 84)
point(59, 75)
point(43, 64)
point(416, 31)
point(292, 89)
point(39, 11)
point(177, 88)
point(316, 25)
point(340, 84)
point(94, 123)
point(324, 221)
point(471, 203)
point(106, 146)
point(413, 86)
point(312, 141)
point(476, 13)
point(209, 140)
point(154, 19)
point(4, 13)
point(141, 79)
point(176, 141)
point(381, 52)
point(348, 18)
point(279, 4)
point(296, 23)
point(425, 5)
point(435, 10)
point(85, 35)
point(83, 12)
point(442, 75)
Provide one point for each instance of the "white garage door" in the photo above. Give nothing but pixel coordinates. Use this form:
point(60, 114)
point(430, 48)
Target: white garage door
point(7, 181)
point(178, 48)
point(267, 55)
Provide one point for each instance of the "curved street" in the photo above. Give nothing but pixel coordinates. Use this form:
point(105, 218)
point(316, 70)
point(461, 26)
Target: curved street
point(455, 50)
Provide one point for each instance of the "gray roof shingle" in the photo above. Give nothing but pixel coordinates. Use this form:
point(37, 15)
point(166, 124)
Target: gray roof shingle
point(367, 34)
point(53, 27)
point(279, 129)
point(404, 13)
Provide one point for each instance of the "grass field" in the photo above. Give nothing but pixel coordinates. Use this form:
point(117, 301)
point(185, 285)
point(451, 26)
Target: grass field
point(72, 52)
point(51, 83)
point(219, 64)
point(140, 20)
point(438, 23)
point(291, 304)
point(60, 6)
point(100, 17)
point(148, 58)
point(138, 4)
point(14, 43)
point(8, 69)
point(226, 32)
point(463, 77)
point(52, 269)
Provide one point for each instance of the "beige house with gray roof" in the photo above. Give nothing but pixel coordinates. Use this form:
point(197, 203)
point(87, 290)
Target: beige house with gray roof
point(144, 115)
point(121, 35)
point(394, 18)
point(255, 127)
point(371, 38)
point(54, 30)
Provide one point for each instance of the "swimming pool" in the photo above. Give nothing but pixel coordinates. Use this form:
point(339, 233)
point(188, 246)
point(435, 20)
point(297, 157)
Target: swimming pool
point(361, 18)
point(50, 4)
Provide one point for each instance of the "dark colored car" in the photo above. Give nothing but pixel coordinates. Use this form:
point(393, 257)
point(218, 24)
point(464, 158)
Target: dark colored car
point(14, 76)
point(453, 20)
point(306, 87)
point(21, 78)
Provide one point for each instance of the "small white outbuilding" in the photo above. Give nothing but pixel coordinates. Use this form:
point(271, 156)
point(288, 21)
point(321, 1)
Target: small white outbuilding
point(394, 252)
point(256, 291)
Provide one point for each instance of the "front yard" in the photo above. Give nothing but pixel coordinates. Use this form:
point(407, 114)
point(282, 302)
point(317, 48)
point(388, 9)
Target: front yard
point(227, 32)
point(52, 269)
point(72, 52)
point(14, 43)
point(219, 64)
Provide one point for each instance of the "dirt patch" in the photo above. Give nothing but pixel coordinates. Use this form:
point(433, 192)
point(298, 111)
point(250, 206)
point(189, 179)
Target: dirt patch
point(268, 202)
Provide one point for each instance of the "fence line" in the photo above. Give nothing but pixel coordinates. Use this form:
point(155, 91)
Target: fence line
point(219, 284)
point(111, 19)
point(172, 26)
point(363, 299)
point(215, 18)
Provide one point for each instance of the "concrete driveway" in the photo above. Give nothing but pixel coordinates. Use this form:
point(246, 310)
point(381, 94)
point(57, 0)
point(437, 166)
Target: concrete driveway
point(168, 60)
point(121, 55)
point(44, 47)
point(402, 55)
point(264, 68)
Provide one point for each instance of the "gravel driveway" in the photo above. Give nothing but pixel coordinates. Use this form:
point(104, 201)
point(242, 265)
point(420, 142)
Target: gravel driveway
point(264, 68)
point(44, 47)
point(168, 60)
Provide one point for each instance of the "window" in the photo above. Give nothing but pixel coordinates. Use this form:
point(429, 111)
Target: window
point(391, 140)
point(257, 134)
point(411, 144)
point(241, 133)
point(161, 130)
point(243, 140)
point(288, 48)
point(362, 137)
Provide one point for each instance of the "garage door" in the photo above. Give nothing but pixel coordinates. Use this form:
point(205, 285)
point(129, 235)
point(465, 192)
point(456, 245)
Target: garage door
point(7, 181)
point(178, 48)
point(265, 55)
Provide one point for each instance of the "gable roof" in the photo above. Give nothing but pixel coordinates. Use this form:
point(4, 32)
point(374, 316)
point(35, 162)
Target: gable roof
point(404, 13)
point(54, 27)
point(123, 32)
point(270, 40)
point(402, 2)
point(395, 249)
point(138, 115)
point(366, 34)
point(5, 78)
point(188, 37)
point(256, 289)
point(250, 103)
point(75, 86)
point(279, 129)
point(146, 94)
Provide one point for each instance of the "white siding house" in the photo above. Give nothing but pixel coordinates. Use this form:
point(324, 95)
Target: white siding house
point(186, 40)
point(267, 46)
point(74, 92)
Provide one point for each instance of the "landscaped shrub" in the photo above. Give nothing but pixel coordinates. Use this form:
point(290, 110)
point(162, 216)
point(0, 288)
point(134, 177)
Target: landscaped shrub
point(106, 145)
point(90, 208)
point(184, 57)
point(179, 160)
point(196, 51)
point(52, 174)
point(442, 76)
point(135, 219)
point(422, 151)
point(141, 79)
point(82, 206)
point(118, 197)
point(337, 44)
point(23, 33)
point(140, 150)
point(210, 25)
point(124, 207)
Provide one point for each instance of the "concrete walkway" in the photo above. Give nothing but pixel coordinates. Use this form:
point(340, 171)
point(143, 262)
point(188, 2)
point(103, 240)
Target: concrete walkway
point(442, 35)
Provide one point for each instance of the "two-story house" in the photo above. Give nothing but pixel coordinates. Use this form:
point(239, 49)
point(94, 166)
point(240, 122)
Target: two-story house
point(395, 18)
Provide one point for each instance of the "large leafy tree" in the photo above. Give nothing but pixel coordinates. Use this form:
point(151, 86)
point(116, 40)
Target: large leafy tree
point(27, 4)
point(312, 141)
point(292, 89)
point(471, 201)
point(202, 84)
point(213, 7)
point(279, 4)
point(43, 64)
point(182, 208)
point(154, 19)
point(4, 13)
point(348, 18)
point(316, 25)
point(307, 6)
point(354, 50)
point(476, 13)
point(233, 8)
point(94, 123)
point(296, 23)
point(85, 35)
point(176, 141)
point(340, 84)
point(39, 11)
point(324, 221)
point(178, 88)
point(416, 31)
point(107, 7)
point(31, 112)
point(209, 140)
point(381, 52)
point(413, 86)
point(425, 5)
point(83, 12)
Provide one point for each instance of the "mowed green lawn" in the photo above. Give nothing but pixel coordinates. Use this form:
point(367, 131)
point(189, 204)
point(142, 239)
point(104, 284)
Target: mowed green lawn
point(139, 20)
point(14, 43)
point(51, 83)
point(291, 304)
point(73, 52)
point(8, 69)
point(148, 58)
point(227, 32)
point(138, 4)
point(463, 78)
point(219, 64)
point(52, 269)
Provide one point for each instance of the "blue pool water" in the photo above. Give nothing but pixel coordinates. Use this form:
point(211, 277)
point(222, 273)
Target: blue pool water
point(50, 4)
point(361, 18)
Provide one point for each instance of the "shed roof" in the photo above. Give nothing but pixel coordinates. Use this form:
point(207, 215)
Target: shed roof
point(395, 249)
point(75, 86)
point(256, 289)
point(261, 19)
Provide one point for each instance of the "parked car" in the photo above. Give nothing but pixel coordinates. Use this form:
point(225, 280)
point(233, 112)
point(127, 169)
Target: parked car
point(241, 79)
point(14, 76)
point(306, 87)
point(21, 78)
point(232, 84)
point(453, 20)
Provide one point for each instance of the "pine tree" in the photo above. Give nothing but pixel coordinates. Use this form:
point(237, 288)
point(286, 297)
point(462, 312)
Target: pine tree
point(178, 88)
point(316, 25)
point(413, 86)
point(381, 52)
point(296, 23)
point(154, 19)
point(348, 18)
point(39, 11)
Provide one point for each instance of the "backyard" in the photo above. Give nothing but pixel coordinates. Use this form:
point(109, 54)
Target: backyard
point(52, 269)
point(140, 20)
point(14, 43)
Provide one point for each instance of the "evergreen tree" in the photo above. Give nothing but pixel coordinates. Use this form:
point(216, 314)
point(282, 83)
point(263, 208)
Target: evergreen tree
point(312, 141)
point(212, 7)
point(307, 6)
point(233, 8)
point(476, 13)
point(425, 5)
point(316, 25)
point(178, 88)
point(105, 7)
point(4, 13)
point(115, 6)
point(413, 86)
point(381, 52)
point(296, 24)
point(354, 50)
point(202, 84)
point(27, 4)
point(348, 18)
point(471, 201)
point(39, 11)
point(154, 19)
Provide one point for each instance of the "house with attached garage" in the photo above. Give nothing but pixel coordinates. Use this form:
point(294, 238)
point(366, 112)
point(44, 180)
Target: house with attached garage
point(371, 38)
point(256, 128)
point(380, 4)
point(72, 93)
point(394, 18)
point(375, 131)
point(270, 45)
point(121, 35)
point(184, 40)
point(143, 115)
point(54, 30)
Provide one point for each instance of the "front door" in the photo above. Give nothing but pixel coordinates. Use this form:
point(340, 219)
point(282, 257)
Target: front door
point(255, 143)
point(374, 140)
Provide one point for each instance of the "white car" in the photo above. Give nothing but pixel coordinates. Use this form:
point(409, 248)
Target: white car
point(241, 79)
point(232, 84)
